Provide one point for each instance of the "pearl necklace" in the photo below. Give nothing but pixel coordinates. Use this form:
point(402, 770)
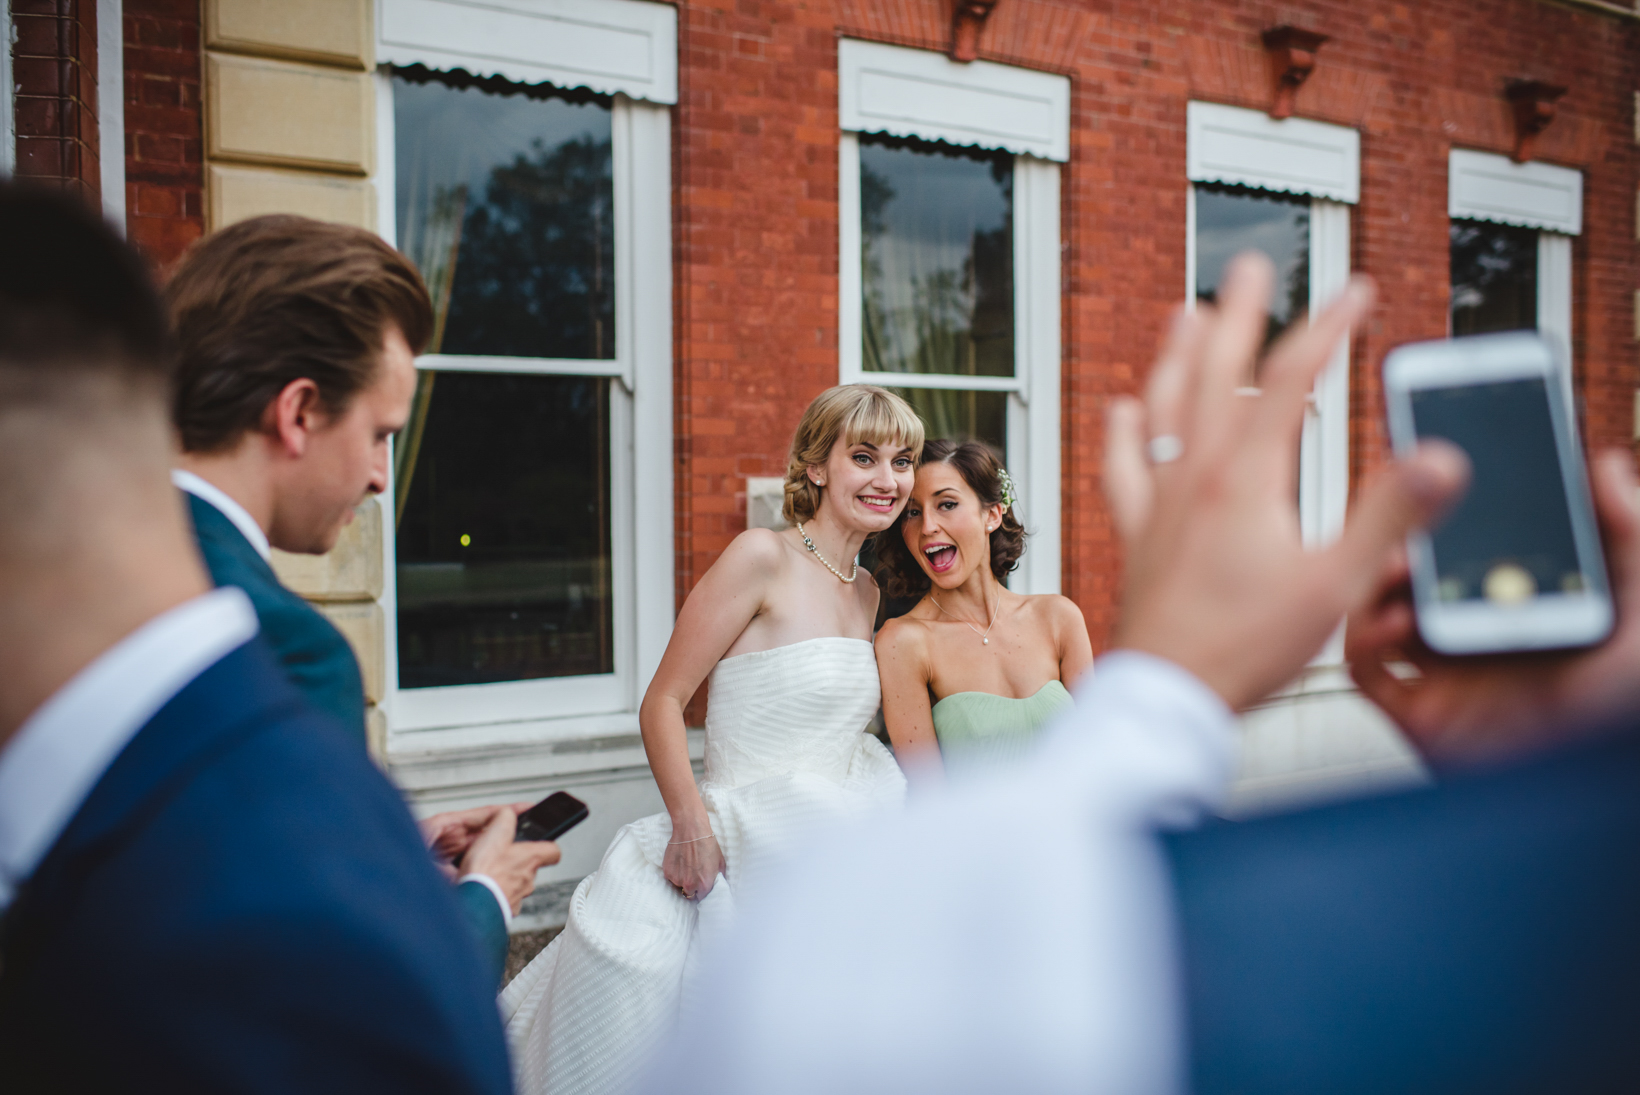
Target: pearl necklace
point(984, 637)
point(853, 571)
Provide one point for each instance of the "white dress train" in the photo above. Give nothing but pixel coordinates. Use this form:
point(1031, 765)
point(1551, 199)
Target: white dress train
point(785, 754)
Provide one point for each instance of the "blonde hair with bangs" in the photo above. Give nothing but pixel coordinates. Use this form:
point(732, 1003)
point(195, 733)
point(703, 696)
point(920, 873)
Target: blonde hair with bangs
point(850, 413)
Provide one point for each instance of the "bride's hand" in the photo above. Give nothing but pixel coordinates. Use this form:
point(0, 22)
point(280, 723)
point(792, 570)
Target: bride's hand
point(693, 867)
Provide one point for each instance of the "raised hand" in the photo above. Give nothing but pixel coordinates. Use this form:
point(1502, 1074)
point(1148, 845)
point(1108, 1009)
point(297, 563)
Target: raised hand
point(1202, 482)
point(1468, 708)
point(511, 863)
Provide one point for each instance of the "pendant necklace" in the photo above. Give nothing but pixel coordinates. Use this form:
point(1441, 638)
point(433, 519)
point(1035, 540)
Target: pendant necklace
point(853, 571)
point(985, 636)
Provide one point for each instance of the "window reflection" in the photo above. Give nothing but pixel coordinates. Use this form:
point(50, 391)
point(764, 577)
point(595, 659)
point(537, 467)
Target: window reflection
point(936, 248)
point(1494, 277)
point(961, 415)
point(504, 538)
point(1231, 219)
point(505, 201)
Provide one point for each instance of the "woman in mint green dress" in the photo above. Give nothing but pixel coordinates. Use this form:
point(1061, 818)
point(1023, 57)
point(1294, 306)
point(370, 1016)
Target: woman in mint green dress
point(974, 671)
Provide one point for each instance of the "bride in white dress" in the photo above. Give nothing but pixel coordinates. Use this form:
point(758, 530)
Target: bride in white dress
point(782, 622)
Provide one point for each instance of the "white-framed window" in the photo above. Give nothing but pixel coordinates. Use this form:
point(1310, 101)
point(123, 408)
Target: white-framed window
point(1511, 245)
point(111, 107)
point(524, 164)
point(8, 109)
point(1284, 187)
point(950, 258)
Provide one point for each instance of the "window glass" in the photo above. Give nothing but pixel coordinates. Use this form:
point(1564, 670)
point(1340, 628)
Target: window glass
point(504, 537)
point(505, 201)
point(1494, 277)
point(937, 258)
point(961, 415)
point(1230, 219)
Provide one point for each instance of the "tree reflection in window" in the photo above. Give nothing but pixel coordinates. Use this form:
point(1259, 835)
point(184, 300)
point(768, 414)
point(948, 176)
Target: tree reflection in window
point(504, 199)
point(937, 275)
point(506, 202)
point(1232, 219)
point(1494, 277)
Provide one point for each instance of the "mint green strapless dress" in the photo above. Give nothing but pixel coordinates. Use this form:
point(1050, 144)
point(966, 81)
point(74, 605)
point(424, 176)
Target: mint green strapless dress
point(977, 728)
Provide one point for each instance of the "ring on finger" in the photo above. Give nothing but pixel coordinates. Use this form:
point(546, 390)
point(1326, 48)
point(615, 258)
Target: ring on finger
point(1165, 448)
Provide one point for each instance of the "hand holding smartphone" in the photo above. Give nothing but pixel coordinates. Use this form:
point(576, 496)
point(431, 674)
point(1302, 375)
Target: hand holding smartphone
point(551, 818)
point(1517, 564)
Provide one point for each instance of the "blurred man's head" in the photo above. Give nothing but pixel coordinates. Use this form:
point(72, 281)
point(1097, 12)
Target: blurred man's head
point(93, 540)
point(296, 343)
point(85, 363)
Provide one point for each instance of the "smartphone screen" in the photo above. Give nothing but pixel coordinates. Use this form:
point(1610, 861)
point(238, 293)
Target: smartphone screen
point(551, 818)
point(1510, 536)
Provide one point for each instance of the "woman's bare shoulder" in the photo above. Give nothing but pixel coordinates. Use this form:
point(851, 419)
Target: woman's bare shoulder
point(755, 551)
point(1055, 609)
point(902, 636)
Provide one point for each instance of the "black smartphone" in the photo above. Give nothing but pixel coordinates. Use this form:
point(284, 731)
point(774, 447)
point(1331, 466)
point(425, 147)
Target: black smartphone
point(551, 818)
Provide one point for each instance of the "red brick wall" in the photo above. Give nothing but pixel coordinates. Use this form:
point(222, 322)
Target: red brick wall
point(55, 59)
point(756, 193)
point(164, 146)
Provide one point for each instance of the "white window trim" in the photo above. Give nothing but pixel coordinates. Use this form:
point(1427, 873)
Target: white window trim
point(618, 47)
point(1244, 148)
point(919, 93)
point(1033, 414)
point(8, 110)
point(1229, 144)
point(111, 108)
point(1484, 186)
point(567, 708)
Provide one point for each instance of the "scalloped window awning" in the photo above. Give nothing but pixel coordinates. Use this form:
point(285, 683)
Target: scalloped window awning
point(1483, 186)
point(1228, 144)
point(627, 47)
point(919, 93)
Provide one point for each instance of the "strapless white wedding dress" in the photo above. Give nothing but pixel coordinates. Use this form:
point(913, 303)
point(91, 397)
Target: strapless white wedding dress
point(786, 754)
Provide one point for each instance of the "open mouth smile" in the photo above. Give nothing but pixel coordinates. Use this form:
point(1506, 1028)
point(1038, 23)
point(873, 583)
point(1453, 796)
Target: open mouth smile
point(880, 503)
point(941, 557)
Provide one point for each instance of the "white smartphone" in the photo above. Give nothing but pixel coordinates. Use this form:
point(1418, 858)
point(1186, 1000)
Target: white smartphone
point(1516, 563)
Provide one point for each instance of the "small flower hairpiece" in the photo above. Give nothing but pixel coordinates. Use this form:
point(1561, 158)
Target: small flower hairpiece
point(1009, 495)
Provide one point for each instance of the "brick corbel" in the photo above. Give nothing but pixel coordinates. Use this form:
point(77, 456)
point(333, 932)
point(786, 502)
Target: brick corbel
point(1292, 53)
point(966, 23)
point(1533, 105)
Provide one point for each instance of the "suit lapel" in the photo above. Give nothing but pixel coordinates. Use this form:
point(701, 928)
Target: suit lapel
point(212, 526)
point(232, 698)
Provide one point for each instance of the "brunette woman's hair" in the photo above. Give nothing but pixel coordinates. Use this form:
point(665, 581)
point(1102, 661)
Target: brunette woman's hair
point(900, 574)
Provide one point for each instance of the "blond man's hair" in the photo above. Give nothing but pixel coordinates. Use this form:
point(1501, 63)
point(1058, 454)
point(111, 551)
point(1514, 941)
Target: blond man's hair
point(850, 413)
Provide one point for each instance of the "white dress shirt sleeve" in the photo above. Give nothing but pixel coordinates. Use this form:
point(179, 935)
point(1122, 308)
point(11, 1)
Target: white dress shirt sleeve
point(1006, 934)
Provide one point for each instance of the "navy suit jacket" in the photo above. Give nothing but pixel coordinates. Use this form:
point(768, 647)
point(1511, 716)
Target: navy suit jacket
point(319, 661)
point(243, 903)
point(1479, 936)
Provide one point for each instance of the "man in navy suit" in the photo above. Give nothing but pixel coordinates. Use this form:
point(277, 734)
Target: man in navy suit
point(204, 882)
point(296, 344)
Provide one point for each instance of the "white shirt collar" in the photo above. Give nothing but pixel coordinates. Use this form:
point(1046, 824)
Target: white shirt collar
point(64, 748)
point(233, 511)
